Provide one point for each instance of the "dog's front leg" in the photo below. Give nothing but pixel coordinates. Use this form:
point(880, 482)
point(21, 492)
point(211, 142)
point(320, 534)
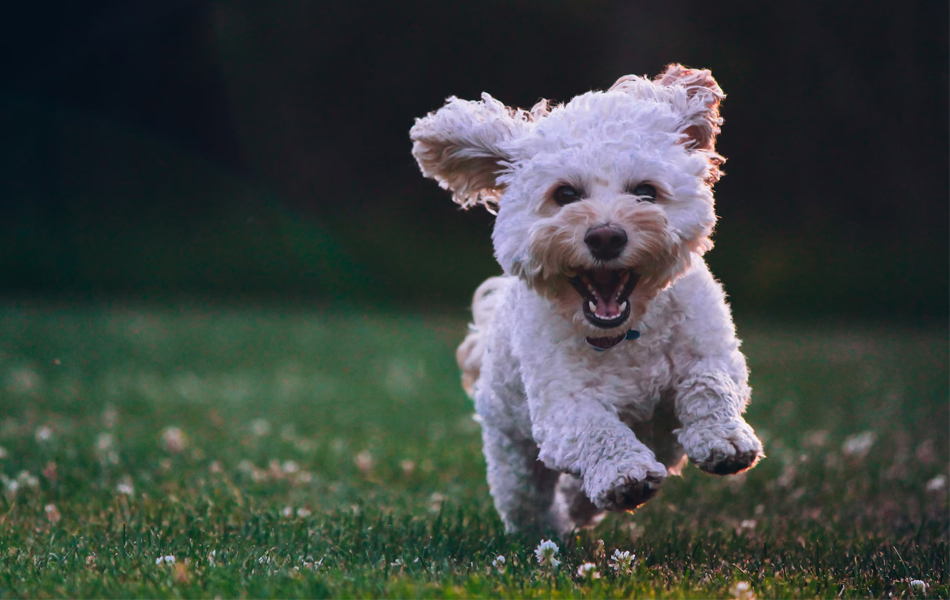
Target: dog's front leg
point(585, 437)
point(710, 379)
point(715, 436)
point(521, 486)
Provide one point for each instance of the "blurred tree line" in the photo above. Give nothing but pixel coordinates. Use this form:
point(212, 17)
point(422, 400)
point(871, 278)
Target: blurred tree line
point(260, 148)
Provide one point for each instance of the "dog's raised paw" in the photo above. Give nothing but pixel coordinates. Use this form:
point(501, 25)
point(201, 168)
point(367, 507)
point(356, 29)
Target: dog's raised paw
point(722, 448)
point(629, 495)
point(719, 463)
point(628, 488)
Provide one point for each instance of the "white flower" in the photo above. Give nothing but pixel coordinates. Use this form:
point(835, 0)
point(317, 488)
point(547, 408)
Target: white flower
point(546, 552)
point(435, 502)
point(106, 449)
point(588, 570)
point(397, 563)
point(918, 584)
point(28, 479)
point(125, 486)
point(52, 513)
point(937, 483)
point(105, 441)
point(309, 564)
point(859, 445)
point(622, 562)
point(165, 560)
point(303, 512)
point(364, 461)
point(742, 591)
point(174, 439)
point(499, 563)
point(260, 427)
point(43, 433)
point(746, 525)
point(287, 511)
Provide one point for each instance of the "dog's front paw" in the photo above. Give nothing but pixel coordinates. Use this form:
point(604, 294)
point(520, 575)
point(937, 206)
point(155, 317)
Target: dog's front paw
point(721, 447)
point(626, 486)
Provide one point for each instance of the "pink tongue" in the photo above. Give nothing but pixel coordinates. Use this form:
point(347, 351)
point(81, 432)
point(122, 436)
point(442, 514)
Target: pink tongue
point(609, 307)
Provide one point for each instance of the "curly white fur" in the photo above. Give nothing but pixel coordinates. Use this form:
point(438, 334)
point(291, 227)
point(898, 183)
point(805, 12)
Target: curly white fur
point(570, 432)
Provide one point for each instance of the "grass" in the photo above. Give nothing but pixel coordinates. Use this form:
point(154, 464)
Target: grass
point(331, 454)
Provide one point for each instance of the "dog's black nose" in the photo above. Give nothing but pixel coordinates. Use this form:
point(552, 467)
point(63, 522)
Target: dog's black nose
point(605, 242)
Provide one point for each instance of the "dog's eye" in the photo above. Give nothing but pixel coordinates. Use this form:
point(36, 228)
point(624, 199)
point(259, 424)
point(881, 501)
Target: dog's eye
point(566, 195)
point(645, 191)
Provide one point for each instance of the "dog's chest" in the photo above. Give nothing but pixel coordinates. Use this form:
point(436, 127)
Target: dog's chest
point(631, 377)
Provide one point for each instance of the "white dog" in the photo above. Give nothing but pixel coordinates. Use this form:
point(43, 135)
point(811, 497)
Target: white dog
point(607, 352)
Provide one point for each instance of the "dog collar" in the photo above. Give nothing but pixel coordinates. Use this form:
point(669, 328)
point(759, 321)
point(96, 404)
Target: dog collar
point(606, 343)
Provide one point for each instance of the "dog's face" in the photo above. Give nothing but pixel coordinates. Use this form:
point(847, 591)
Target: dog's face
point(601, 202)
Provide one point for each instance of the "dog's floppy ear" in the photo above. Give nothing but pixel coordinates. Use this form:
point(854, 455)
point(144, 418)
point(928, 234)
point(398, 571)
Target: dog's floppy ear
point(702, 121)
point(463, 146)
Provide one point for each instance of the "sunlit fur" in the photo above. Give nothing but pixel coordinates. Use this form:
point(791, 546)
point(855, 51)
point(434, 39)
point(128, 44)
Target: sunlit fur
point(542, 393)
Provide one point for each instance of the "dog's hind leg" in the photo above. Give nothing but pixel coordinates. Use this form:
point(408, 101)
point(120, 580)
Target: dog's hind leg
point(521, 486)
point(572, 509)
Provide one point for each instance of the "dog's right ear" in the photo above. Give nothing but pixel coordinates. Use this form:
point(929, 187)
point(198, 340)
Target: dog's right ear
point(464, 145)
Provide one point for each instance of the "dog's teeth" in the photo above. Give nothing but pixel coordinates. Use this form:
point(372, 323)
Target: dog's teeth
point(593, 307)
point(623, 306)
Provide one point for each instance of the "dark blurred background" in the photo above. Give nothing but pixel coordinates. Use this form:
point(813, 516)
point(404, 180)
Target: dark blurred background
point(160, 149)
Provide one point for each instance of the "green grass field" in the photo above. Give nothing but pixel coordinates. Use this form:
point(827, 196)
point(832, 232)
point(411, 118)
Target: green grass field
point(331, 454)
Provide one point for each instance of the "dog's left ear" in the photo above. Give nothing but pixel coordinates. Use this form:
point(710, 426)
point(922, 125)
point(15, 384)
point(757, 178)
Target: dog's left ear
point(465, 144)
point(701, 114)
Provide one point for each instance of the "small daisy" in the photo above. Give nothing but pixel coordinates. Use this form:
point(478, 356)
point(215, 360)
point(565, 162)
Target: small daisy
point(52, 513)
point(364, 461)
point(742, 591)
point(260, 427)
point(308, 563)
point(622, 562)
point(588, 570)
point(43, 433)
point(28, 479)
point(125, 486)
point(859, 445)
point(917, 584)
point(174, 440)
point(937, 483)
point(165, 560)
point(499, 563)
point(546, 552)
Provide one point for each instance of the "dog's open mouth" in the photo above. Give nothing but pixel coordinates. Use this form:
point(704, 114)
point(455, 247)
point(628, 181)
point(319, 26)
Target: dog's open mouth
point(606, 294)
